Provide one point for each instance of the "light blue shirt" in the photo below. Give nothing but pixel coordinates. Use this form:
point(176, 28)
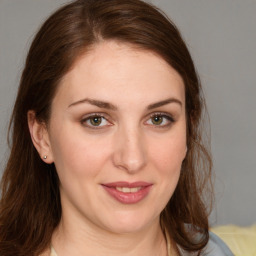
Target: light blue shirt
point(215, 247)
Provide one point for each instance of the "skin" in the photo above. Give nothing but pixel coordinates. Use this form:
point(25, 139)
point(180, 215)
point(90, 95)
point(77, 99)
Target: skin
point(127, 145)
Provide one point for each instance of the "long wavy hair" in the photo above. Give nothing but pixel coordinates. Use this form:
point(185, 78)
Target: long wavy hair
point(30, 207)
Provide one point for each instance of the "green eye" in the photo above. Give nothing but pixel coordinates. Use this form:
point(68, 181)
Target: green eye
point(95, 120)
point(157, 120)
point(160, 120)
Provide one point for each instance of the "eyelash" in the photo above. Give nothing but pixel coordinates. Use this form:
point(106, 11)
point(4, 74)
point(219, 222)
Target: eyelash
point(168, 118)
point(165, 118)
point(95, 115)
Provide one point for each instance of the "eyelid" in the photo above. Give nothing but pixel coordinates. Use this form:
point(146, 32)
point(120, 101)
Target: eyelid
point(168, 116)
point(96, 114)
point(164, 114)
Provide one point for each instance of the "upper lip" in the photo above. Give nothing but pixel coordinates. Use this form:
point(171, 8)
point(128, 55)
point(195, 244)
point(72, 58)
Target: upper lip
point(126, 184)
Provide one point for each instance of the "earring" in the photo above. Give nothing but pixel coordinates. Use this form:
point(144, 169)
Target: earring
point(44, 157)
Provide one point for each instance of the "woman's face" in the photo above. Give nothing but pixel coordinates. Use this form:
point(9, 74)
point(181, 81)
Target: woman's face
point(117, 137)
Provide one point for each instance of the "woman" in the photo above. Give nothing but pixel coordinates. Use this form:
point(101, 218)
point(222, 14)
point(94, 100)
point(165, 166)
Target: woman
point(107, 156)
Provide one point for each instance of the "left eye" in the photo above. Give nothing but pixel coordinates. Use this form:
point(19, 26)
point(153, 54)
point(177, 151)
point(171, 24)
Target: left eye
point(160, 120)
point(95, 121)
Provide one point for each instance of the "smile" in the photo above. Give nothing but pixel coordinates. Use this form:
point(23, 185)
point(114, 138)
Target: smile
point(128, 193)
point(128, 190)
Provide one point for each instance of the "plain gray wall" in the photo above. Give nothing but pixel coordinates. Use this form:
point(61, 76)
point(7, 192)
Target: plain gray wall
point(221, 35)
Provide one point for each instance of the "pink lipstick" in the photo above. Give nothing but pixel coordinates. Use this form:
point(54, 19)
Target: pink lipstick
point(128, 193)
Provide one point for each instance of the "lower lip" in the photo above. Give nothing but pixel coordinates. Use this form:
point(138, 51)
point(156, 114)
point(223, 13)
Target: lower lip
point(128, 198)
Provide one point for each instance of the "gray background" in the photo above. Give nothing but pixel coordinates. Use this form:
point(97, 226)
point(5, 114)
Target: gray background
point(221, 35)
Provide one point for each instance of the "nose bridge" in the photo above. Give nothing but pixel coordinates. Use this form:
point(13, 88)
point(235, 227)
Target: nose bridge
point(130, 150)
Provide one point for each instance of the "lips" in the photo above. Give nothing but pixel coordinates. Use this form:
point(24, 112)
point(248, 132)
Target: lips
point(128, 193)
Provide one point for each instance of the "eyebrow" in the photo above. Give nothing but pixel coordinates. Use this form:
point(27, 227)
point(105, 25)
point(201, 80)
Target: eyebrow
point(97, 103)
point(164, 102)
point(107, 105)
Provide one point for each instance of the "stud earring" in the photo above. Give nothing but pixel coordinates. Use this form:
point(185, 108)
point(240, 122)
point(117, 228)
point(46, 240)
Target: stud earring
point(45, 157)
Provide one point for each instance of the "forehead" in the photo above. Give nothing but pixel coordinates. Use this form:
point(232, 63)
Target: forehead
point(116, 68)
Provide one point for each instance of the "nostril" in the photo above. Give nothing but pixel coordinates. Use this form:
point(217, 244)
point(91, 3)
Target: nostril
point(129, 152)
point(129, 160)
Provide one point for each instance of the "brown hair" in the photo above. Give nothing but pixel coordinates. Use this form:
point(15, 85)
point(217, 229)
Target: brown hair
point(30, 206)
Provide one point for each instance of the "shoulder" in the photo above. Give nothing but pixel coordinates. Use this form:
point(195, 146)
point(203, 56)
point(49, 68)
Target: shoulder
point(216, 246)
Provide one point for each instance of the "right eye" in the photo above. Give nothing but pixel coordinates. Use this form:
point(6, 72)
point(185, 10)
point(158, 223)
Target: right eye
point(95, 121)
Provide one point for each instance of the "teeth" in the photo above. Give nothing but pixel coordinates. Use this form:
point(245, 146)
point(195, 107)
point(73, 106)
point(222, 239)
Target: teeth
point(128, 190)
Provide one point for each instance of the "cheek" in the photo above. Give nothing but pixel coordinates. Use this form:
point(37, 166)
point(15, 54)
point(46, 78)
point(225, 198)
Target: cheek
point(169, 154)
point(167, 157)
point(77, 154)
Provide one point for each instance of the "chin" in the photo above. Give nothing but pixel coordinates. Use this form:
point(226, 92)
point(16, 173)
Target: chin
point(130, 223)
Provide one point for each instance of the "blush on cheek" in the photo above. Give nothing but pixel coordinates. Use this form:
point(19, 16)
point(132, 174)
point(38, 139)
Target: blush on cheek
point(169, 155)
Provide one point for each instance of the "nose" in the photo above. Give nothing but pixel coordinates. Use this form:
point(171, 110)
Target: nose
point(129, 150)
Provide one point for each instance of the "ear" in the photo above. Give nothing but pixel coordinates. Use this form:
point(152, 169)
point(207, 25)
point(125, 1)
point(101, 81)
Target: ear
point(185, 153)
point(40, 137)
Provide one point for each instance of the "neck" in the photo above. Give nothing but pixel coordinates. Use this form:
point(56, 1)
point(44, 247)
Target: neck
point(75, 239)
